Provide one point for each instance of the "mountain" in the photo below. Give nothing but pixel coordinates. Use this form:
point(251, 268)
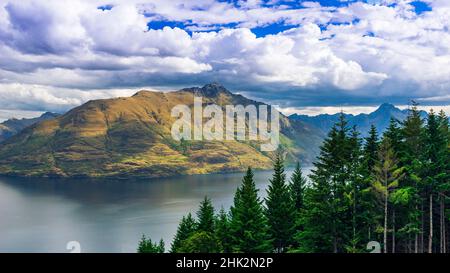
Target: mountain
point(380, 118)
point(11, 127)
point(131, 137)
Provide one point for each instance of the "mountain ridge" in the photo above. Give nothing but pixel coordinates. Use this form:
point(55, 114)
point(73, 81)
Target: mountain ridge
point(12, 126)
point(380, 118)
point(130, 137)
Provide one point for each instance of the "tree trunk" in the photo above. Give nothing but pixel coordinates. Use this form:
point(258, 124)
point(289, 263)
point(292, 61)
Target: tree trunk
point(385, 223)
point(430, 234)
point(422, 230)
point(441, 224)
point(416, 243)
point(444, 228)
point(393, 230)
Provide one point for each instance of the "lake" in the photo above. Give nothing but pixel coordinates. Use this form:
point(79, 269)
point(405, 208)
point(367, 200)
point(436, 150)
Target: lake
point(43, 215)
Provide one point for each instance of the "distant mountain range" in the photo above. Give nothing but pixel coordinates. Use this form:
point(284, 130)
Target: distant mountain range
point(131, 137)
point(13, 126)
point(380, 118)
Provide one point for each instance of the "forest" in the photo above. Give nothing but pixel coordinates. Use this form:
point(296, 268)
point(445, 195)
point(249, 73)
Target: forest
point(392, 188)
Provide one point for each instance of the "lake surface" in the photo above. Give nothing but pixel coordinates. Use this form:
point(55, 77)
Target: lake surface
point(43, 215)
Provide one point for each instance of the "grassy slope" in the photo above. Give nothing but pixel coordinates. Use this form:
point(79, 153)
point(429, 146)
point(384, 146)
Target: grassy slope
point(131, 137)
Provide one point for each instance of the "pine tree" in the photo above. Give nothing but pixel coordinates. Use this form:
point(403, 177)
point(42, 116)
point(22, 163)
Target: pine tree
point(147, 246)
point(186, 228)
point(371, 149)
point(435, 176)
point(248, 225)
point(280, 210)
point(394, 133)
point(223, 231)
point(359, 212)
point(297, 187)
point(443, 187)
point(387, 176)
point(317, 235)
point(328, 218)
point(205, 216)
point(411, 157)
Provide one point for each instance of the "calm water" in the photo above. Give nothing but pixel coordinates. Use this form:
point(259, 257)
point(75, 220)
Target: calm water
point(42, 215)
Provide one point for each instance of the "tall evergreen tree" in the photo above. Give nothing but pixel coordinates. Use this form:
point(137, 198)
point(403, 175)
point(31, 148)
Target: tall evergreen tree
point(444, 180)
point(328, 219)
point(359, 211)
point(371, 149)
point(394, 133)
point(317, 235)
point(223, 231)
point(297, 187)
point(387, 176)
point(435, 176)
point(280, 210)
point(205, 216)
point(248, 225)
point(186, 228)
point(411, 157)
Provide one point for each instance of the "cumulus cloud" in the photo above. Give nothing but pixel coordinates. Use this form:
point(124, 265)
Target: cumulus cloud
point(56, 55)
point(29, 97)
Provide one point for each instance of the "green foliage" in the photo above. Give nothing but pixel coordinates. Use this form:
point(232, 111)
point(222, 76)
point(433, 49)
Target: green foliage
point(248, 224)
point(205, 216)
point(186, 228)
point(147, 246)
point(358, 192)
point(297, 187)
point(223, 231)
point(280, 210)
point(200, 242)
point(371, 149)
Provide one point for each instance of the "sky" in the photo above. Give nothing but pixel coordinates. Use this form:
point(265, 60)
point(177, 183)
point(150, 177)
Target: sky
point(303, 56)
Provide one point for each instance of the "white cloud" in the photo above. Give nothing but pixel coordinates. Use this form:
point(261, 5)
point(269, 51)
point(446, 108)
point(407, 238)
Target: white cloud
point(58, 53)
point(314, 111)
point(18, 114)
point(28, 97)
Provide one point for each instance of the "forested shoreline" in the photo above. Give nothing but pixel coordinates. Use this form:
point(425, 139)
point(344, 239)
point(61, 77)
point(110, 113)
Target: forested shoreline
point(391, 188)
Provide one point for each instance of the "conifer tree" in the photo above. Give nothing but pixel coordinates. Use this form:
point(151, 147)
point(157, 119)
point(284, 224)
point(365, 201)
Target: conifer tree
point(371, 149)
point(387, 176)
point(297, 187)
point(147, 246)
point(327, 218)
point(317, 235)
point(200, 242)
point(186, 228)
point(223, 231)
point(435, 176)
point(205, 216)
point(248, 225)
point(394, 133)
point(412, 158)
point(354, 193)
point(444, 178)
point(280, 210)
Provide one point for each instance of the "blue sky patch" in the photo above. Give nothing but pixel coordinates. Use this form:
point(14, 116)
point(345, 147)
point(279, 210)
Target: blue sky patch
point(420, 7)
point(270, 29)
point(105, 7)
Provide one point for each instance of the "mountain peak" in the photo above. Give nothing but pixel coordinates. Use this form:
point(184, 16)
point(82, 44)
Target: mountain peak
point(210, 90)
point(49, 115)
point(387, 106)
point(213, 89)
